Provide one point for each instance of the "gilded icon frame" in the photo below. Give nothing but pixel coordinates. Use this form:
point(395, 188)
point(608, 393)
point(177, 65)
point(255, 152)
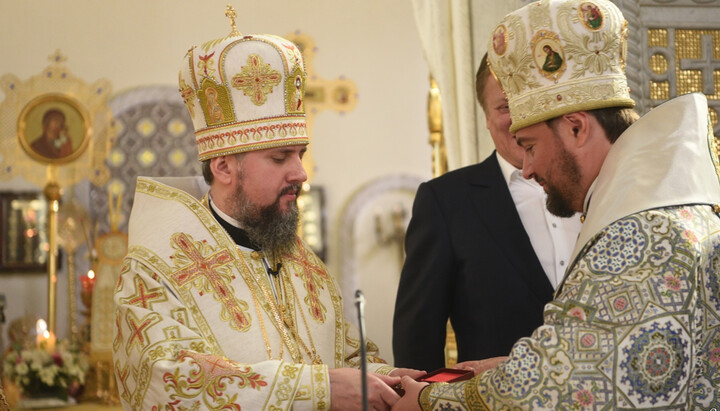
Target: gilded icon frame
point(35, 119)
point(23, 221)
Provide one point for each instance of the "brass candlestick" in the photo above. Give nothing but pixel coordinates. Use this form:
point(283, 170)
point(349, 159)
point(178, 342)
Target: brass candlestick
point(52, 194)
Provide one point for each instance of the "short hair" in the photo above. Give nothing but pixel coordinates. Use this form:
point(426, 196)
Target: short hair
point(207, 172)
point(613, 120)
point(481, 78)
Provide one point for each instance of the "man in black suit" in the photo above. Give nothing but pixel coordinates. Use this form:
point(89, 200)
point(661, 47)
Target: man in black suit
point(481, 251)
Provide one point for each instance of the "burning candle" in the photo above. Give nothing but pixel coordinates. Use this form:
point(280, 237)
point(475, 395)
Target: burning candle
point(88, 282)
point(45, 339)
point(40, 330)
point(48, 343)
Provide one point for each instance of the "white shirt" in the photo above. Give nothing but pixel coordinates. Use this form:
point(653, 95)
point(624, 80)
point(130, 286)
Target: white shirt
point(553, 238)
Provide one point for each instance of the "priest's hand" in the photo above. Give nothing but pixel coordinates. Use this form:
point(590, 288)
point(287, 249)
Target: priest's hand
point(346, 390)
point(401, 372)
point(479, 366)
point(409, 401)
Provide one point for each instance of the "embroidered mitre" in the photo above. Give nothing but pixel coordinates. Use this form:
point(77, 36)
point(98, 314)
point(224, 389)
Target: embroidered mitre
point(554, 57)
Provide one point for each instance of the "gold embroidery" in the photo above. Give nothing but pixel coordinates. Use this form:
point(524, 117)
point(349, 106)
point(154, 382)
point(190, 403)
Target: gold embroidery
point(204, 272)
point(187, 94)
point(514, 71)
point(159, 190)
point(281, 311)
point(256, 79)
point(122, 376)
point(172, 332)
point(118, 331)
point(142, 297)
point(594, 52)
point(320, 384)
point(206, 65)
point(539, 16)
point(246, 267)
point(268, 347)
point(579, 44)
point(472, 396)
point(295, 91)
point(146, 259)
point(139, 329)
point(314, 278)
point(215, 102)
point(210, 377)
point(214, 111)
point(313, 351)
point(284, 390)
point(223, 141)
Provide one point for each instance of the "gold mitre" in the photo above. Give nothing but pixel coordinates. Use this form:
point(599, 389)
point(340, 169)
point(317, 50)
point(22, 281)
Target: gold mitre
point(554, 57)
point(244, 93)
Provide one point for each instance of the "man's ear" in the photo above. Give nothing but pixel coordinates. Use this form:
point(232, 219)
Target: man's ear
point(221, 169)
point(579, 126)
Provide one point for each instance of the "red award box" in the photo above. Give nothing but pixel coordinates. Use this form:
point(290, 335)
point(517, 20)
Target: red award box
point(441, 375)
point(446, 375)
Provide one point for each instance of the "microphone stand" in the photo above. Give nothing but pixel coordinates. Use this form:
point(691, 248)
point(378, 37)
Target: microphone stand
point(360, 304)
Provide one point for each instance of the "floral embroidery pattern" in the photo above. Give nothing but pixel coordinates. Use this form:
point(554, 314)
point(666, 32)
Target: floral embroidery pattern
point(584, 398)
point(187, 94)
point(621, 248)
point(635, 350)
point(672, 283)
point(144, 297)
point(655, 362)
point(206, 64)
point(211, 376)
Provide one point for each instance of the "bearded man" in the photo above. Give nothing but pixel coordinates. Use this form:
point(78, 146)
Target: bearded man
point(220, 304)
point(634, 324)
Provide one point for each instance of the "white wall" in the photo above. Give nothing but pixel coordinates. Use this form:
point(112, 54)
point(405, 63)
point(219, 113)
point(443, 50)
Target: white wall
point(141, 43)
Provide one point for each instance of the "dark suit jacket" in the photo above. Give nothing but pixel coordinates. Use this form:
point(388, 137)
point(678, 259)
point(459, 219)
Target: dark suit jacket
point(468, 259)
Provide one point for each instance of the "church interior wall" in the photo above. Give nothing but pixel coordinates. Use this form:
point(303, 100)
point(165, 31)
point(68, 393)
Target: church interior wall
point(139, 43)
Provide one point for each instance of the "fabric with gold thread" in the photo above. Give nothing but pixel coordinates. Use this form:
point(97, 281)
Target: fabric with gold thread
point(198, 326)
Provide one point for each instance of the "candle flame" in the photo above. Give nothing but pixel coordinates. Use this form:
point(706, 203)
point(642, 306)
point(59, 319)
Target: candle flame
point(41, 326)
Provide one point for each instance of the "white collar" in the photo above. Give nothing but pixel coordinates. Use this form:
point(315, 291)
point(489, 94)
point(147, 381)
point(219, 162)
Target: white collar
point(664, 159)
point(233, 222)
point(506, 168)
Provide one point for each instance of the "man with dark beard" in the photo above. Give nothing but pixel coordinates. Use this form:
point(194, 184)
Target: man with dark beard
point(635, 323)
point(558, 196)
point(220, 304)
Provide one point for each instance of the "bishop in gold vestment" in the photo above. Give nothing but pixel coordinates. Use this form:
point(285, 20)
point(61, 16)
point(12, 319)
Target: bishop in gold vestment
point(198, 323)
point(220, 305)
